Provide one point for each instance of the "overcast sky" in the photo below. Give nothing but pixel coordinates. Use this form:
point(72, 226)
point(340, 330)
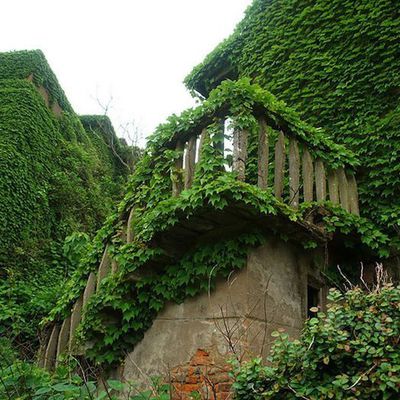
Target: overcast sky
point(137, 51)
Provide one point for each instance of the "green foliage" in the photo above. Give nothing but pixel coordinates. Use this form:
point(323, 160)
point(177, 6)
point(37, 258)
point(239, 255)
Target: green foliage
point(24, 380)
point(124, 307)
point(55, 178)
point(349, 352)
point(28, 293)
point(239, 100)
point(337, 64)
point(32, 63)
point(134, 304)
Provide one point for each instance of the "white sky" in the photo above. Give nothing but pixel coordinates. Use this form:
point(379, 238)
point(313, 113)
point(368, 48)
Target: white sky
point(137, 51)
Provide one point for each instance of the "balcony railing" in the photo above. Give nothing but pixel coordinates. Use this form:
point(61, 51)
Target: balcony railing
point(277, 152)
point(285, 164)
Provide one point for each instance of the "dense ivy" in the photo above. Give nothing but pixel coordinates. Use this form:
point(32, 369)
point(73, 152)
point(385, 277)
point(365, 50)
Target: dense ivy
point(26, 63)
point(337, 63)
point(349, 352)
point(55, 178)
point(123, 308)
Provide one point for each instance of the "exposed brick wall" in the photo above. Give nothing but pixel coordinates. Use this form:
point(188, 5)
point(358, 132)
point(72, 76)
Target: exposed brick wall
point(202, 375)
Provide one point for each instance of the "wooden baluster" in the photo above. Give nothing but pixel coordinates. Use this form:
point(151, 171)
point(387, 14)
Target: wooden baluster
point(114, 266)
point(294, 172)
point(190, 161)
point(308, 176)
point(320, 180)
point(333, 186)
point(76, 317)
point(63, 338)
point(89, 290)
point(104, 267)
point(203, 136)
point(240, 153)
point(280, 157)
point(176, 172)
point(353, 194)
point(343, 189)
point(51, 349)
point(263, 154)
point(129, 226)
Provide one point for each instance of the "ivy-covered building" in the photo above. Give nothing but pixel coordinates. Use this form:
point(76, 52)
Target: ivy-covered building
point(241, 208)
point(58, 175)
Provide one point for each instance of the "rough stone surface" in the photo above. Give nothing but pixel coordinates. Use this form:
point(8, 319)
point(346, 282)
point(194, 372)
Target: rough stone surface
point(270, 293)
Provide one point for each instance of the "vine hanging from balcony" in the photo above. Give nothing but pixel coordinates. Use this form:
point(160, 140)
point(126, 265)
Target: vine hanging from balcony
point(151, 210)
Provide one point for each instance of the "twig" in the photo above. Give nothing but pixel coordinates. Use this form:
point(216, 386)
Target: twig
point(312, 342)
point(83, 377)
point(360, 377)
point(345, 277)
point(297, 394)
point(362, 277)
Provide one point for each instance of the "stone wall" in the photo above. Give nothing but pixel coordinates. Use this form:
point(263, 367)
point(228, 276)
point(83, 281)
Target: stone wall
point(189, 343)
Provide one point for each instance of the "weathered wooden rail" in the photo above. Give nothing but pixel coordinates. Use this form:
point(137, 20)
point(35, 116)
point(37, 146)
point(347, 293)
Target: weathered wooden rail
point(296, 176)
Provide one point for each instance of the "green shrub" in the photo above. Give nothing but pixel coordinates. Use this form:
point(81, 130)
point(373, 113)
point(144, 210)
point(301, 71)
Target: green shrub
point(21, 380)
point(349, 352)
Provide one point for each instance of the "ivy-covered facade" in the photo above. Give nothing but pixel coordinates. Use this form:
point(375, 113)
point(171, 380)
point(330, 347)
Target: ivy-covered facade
point(307, 96)
point(337, 64)
point(57, 177)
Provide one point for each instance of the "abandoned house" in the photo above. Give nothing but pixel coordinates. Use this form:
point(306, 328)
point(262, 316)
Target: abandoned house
point(240, 210)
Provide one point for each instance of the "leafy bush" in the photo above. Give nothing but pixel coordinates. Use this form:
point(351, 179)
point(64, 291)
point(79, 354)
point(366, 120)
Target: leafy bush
point(349, 352)
point(25, 381)
point(28, 293)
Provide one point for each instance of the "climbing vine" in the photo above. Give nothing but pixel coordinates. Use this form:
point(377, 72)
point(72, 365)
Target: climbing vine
point(337, 64)
point(55, 178)
point(128, 300)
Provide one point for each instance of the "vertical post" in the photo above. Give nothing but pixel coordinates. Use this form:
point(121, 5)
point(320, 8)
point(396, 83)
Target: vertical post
point(129, 227)
point(263, 154)
point(308, 176)
point(63, 337)
point(333, 187)
point(114, 266)
point(279, 165)
point(203, 136)
point(89, 289)
point(104, 267)
point(51, 349)
point(76, 317)
point(343, 189)
point(190, 161)
point(240, 153)
point(219, 137)
point(320, 180)
point(176, 172)
point(294, 172)
point(353, 194)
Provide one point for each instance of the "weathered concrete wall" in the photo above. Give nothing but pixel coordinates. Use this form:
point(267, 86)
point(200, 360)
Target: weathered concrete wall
point(270, 293)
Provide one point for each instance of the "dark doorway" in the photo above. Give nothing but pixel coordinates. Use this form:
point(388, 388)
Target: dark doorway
point(312, 300)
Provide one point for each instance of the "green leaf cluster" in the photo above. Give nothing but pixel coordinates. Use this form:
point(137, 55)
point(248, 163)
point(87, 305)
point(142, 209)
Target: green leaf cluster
point(349, 352)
